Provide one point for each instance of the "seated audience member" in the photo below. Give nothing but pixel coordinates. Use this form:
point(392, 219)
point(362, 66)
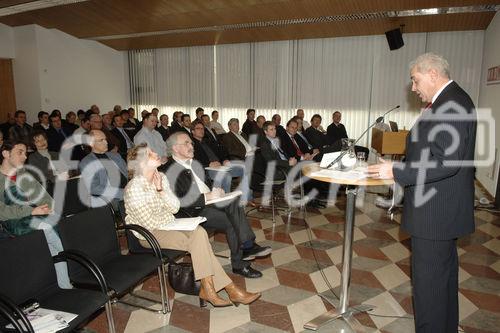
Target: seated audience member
point(125, 141)
point(56, 112)
point(155, 111)
point(272, 152)
point(336, 132)
point(43, 121)
point(305, 123)
point(20, 131)
point(128, 125)
point(107, 121)
point(250, 125)
point(41, 159)
point(71, 125)
point(176, 124)
point(152, 138)
point(56, 134)
point(290, 145)
point(131, 117)
point(260, 133)
point(97, 124)
point(24, 205)
point(280, 130)
point(235, 142)
point(95, 109)
point(117, 109)
point(215, 125)
point(80, 114)
point(314, 135)
point(84, 127)
point(5, 127)
point(150, 203)
point(143, 114)
point(301, 138)
point(199, 112)
point(1, 139)
point(209, 155)
point(104, 173)
point(187, 181)
point(210, 134)
point(186, 123)
point(164, 129)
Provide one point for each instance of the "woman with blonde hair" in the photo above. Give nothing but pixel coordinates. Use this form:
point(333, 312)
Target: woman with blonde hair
point(149, 202)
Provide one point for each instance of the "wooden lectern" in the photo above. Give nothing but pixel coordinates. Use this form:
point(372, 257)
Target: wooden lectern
point(393, 143)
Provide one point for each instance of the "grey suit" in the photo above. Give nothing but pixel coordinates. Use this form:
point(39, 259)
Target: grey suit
point(101, 177)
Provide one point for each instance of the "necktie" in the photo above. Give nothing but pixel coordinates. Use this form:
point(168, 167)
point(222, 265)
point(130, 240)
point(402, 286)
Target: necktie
point(61, 132)
point(299, 152)
point(428, 106)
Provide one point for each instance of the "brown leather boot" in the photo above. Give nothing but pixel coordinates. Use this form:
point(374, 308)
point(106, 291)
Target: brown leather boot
point(238, 295)
point(208, 293)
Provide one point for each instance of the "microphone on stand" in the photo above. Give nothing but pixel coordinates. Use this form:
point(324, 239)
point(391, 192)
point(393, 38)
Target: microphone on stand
point(377, 121)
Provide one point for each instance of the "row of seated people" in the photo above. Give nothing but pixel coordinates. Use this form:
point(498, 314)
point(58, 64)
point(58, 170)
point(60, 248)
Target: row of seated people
point(151, 199)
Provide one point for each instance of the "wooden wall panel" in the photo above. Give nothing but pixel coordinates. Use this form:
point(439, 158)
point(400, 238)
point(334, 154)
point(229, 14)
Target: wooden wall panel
point(7, 92)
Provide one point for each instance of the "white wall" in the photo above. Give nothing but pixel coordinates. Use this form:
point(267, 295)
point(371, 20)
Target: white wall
point(489, 97)
point(26, 71)
point(53, 70)
point(6, 42)
point(76, 73)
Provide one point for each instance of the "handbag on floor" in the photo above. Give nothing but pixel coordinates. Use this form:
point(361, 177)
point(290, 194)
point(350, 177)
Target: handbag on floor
point(181, 278)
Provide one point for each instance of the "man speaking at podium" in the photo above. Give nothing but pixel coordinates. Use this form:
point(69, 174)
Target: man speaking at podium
point(438, 180)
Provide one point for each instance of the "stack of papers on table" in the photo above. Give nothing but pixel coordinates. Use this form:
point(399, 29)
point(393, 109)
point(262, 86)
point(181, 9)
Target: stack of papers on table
point(184, 224)
point(336, 174)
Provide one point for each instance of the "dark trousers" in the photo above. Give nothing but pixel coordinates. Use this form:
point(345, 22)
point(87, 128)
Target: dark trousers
point(232, 221)
point(435, 285)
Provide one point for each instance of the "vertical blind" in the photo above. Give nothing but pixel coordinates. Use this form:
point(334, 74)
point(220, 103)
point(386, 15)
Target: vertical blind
point(358, 76)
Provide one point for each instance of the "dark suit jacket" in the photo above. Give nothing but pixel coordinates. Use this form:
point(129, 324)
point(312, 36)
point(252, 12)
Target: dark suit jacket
point(184, 186)
point(289, 148)
point(201, 156)
point(55, 139)
point(208, 135)
point(250, 127)
point(122, 142)
point(269, 154)
point(316, 138)
point(175, 127)
point(42, 163)
point(336, 133)
point(280, 131)
point(236, 150)
point(165, 132)
point(449, 213)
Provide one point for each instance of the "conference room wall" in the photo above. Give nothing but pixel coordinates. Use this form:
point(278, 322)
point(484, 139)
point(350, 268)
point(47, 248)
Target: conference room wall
point(6, 42)
point(489, 98)
point(359, 76)
point(53, 70)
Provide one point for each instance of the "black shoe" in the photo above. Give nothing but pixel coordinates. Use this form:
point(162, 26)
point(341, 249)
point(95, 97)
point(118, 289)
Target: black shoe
point(248, 272)
point(256, 251)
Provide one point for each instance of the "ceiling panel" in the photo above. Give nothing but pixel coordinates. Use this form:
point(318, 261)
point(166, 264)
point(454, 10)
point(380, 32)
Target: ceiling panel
point(98, 18)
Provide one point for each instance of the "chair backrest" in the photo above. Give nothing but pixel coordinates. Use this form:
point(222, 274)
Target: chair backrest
point(27, 268)
point(258, 171)
point(76, 197)
point(91, 232)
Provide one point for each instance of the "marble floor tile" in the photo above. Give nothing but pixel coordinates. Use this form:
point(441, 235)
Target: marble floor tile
point(385, 305)
point(285, 255)
point(143, 321)
point(303, 311)
point(390, 276)
point(284, 295)
point(225, 319)
point(332, 275)
point(395, 251)
point(267, 281)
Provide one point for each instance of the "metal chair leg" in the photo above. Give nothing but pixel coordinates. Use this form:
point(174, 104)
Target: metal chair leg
point(109, 317)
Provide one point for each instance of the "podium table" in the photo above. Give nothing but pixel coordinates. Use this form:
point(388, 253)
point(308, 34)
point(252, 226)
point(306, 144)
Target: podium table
point(344, 311)
point(389, 143)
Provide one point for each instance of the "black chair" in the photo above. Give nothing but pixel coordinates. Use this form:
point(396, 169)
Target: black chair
point(76, 197)
point(259, 183)
point(30, 275)
point(14, 316)
point(93, 233)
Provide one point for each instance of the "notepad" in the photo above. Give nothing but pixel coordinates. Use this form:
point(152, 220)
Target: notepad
point(184, 224)
point(226, 196)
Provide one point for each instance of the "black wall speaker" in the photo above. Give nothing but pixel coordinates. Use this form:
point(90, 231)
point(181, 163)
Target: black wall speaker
point(394, 39)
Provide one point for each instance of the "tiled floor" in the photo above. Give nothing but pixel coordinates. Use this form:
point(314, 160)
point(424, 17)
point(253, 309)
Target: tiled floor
point(292, 280)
